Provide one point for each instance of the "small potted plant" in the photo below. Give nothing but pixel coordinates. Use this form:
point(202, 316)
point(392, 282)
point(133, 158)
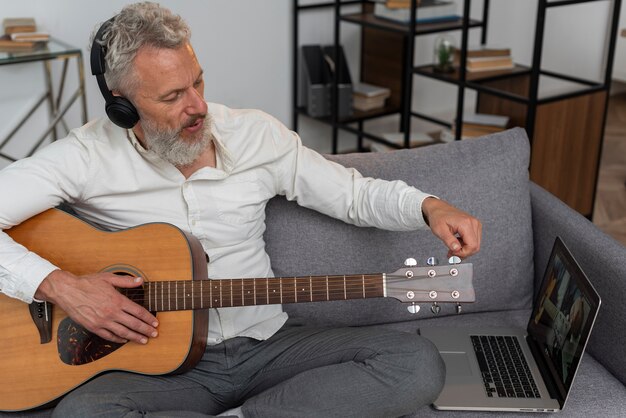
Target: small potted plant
point(444, 55)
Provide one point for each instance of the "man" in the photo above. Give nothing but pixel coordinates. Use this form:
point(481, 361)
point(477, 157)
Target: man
point(210, 170)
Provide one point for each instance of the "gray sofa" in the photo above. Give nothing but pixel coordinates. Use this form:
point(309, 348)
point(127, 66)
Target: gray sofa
point(487, 177)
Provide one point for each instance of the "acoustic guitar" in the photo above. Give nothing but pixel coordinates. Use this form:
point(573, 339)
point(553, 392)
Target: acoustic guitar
point(44, 354)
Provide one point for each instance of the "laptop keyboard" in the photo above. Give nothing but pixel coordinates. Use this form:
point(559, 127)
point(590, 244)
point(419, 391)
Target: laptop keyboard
point(504, 368)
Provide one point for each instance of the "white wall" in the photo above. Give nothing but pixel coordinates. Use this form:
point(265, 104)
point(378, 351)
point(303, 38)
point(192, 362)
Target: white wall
point(245, 49)
point(243, 46)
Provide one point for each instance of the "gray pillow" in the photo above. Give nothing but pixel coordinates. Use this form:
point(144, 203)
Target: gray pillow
point(487, 177)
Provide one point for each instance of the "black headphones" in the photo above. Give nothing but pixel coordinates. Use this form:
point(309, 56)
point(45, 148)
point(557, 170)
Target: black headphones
point(120, 110)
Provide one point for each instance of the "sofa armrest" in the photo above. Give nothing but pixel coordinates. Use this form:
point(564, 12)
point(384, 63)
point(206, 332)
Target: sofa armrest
point(601, 257)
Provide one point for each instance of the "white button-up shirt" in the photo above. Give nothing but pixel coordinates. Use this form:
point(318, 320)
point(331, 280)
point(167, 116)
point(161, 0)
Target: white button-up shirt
point(105, 174)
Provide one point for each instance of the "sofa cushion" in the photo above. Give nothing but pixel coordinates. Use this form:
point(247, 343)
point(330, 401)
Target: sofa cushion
point(487, 177)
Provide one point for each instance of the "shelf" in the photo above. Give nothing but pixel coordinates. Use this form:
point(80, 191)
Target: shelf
point(357, 116)
point(454, 77)
point(370, 20)
point(563, 114)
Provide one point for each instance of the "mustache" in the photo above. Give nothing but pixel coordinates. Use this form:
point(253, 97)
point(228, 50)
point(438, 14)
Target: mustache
point(193, 120)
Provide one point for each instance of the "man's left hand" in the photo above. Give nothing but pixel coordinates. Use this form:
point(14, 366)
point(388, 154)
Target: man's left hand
point(460, 231)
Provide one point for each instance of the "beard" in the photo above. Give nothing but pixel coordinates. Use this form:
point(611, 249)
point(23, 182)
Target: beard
point(170, 145)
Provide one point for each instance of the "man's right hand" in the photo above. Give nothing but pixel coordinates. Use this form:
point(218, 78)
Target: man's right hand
point(93, 302)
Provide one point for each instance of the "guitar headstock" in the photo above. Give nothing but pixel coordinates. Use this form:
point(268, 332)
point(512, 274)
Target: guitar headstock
point(434, 284)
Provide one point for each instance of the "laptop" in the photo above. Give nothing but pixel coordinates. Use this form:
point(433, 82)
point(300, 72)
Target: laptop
point(532, 370)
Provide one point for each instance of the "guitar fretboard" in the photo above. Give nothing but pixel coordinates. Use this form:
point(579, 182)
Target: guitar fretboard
point(200, 294)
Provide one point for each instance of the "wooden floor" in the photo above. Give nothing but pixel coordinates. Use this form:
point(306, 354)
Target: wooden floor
point(610, 206)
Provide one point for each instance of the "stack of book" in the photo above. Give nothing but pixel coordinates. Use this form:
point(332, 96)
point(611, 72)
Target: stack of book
point(369, 97)
point(486, 58)
point(428, 11)
point(20, 34)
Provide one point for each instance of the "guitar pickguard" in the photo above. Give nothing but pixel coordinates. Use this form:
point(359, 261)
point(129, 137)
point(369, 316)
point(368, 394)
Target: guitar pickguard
point(78, 346)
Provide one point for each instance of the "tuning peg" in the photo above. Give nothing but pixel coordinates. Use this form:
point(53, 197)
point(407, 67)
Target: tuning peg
point(410, 262)
point(454, 260)
point(458, 308)
point(432, 261)
point(413, 308)
point(435, 308)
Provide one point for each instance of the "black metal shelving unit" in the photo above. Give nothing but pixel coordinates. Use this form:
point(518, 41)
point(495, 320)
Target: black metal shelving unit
point(366, 19)
point(485, 84)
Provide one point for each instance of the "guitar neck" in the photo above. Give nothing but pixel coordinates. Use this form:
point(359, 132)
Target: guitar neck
point(201, 294)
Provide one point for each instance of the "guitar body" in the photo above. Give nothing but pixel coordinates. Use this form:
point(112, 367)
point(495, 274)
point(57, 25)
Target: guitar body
point(33, 374)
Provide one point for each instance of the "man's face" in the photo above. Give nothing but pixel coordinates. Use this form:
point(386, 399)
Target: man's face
point(174, 121)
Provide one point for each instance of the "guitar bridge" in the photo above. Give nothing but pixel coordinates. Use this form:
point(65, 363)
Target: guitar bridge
point(41, 312)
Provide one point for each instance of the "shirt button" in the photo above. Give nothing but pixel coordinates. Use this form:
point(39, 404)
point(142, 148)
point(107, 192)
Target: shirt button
point(193, 222)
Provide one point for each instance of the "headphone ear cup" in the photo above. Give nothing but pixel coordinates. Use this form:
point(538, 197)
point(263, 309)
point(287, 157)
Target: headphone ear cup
point(122, 112)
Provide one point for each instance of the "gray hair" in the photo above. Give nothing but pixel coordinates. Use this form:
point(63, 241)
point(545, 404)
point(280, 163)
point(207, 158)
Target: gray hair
point(138, 25)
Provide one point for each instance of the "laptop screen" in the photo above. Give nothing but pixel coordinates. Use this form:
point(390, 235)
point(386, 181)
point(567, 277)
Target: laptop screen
point(563, 316)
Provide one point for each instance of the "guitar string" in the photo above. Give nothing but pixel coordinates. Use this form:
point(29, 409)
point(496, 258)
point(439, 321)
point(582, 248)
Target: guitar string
point(319, 283)
point(354, 284)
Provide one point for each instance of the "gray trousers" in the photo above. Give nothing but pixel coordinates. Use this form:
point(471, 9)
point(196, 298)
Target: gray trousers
point(298, 372)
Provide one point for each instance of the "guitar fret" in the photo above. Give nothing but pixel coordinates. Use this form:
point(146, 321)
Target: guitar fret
point(363, 284)
point(327, 295)
point(261, 291)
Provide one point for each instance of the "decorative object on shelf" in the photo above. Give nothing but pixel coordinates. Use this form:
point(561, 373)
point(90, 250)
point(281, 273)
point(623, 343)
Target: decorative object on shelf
point(444, 54)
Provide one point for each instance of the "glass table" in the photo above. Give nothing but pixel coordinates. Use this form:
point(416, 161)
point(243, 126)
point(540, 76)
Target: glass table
point(46, 54)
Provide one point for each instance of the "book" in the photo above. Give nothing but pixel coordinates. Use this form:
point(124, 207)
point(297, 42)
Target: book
point(479, 124)
point(30, 37)
point(416, 139)
point(429, 11)
point(18, 24)
point(489, 63)
point(368, 103)
point(370, 90)
point(400, 4)
point(8, 45)
point(476, 51)
point(367, 96)
point(486, 119)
